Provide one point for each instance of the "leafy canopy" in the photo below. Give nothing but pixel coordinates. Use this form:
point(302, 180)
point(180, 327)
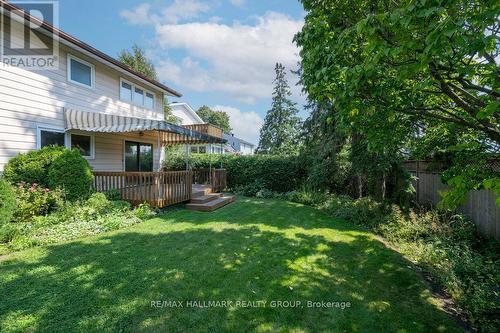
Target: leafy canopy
point(397, 71)
point(215, 117)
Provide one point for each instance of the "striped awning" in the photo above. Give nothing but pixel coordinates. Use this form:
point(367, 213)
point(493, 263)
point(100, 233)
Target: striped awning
point(108, 123)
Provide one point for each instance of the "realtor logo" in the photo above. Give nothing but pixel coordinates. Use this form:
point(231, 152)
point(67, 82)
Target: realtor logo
point(27, 38)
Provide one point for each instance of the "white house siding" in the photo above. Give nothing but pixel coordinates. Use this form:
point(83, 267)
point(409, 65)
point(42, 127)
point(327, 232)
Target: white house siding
point(180, 110)
point(37, 98)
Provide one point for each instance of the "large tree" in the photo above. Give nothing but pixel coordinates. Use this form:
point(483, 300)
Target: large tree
point(138, 61)
point(215, 117)
point(281, 129)
point(395, 70)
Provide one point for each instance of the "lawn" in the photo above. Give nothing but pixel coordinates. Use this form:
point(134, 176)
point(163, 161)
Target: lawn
point(252, 250)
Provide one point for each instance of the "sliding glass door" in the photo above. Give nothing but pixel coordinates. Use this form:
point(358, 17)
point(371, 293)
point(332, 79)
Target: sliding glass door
point(138, 156)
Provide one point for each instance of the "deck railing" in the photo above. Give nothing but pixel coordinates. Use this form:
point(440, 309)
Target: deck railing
point(215, 177)
point(159, 189)
point(208, 129)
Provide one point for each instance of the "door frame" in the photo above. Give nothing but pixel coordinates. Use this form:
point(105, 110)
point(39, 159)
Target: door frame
point(140, 142)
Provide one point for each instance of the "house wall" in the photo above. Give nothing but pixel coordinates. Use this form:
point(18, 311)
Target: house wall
point(185, 116)
point(31, 99)
point(246, 149)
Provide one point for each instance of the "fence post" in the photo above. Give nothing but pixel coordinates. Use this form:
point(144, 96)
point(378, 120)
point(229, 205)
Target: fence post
point(417, 172)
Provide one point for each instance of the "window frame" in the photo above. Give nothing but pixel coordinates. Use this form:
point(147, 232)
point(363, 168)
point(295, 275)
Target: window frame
point(92, 143)
point(133, 101)
point(131, 91)
point(92, 71)
point(54, 129)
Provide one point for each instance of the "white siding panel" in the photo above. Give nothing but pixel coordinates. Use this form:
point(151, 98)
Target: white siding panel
point(29, 99)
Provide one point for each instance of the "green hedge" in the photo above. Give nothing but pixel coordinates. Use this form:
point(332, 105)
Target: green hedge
point(275, 173)
point(32, 167)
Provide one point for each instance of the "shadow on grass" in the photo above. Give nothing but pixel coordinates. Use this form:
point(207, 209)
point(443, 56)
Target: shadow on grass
point(249, 251)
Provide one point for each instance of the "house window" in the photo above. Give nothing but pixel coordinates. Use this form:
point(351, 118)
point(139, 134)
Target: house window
point(149, 101)
point(50, 137)
point(126, 91)
point(84, 144)
point(132, 93)
point(138, 96)
point(80, 72)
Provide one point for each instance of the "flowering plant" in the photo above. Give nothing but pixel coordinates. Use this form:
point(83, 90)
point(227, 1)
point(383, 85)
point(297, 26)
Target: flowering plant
point(34, 200)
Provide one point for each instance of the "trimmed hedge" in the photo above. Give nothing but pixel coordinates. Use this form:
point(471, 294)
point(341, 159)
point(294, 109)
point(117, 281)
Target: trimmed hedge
point(32, 167)
point(72, 173)
point(7, 202)
point(275, 173)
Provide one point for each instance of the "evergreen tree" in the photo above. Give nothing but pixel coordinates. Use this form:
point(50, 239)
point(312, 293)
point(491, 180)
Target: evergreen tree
point(280, 132)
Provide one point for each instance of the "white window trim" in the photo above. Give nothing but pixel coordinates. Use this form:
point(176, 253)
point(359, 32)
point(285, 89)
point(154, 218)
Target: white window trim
point(133, 102)
point(92, 144)
point(39, 130)
point(92, 72)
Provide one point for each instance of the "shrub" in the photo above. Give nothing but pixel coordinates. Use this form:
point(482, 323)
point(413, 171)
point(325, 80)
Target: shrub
point(7, 202)
point(71, 172)
point(113, 194)
point(35, 200)
point(73, 220)
point(275, 173)
point(33, 166)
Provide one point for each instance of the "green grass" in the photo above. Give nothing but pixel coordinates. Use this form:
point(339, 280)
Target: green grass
point(255, 250)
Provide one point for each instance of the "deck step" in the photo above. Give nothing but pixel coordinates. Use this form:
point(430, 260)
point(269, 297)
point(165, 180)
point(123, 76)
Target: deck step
point(206, 198)
point(200, 190)
point(210, 205)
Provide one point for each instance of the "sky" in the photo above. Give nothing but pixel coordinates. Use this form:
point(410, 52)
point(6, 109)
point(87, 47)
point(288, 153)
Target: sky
point(219, 53)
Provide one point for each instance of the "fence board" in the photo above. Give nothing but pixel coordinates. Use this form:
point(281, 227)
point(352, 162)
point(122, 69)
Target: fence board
point(480, 206)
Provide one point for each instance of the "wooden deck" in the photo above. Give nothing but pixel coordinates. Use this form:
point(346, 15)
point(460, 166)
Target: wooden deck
point(159, 189)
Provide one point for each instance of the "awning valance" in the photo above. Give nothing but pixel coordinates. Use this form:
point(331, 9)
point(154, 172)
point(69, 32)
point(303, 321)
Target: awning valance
point(107, 123)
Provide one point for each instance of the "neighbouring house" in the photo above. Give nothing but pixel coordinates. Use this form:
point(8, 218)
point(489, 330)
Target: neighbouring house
point(238, 146)
point(187, 116)
point(96, 104)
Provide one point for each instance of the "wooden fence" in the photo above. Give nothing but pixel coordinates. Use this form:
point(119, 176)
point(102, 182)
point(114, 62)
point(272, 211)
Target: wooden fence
point(480, 206)
point(159, 189)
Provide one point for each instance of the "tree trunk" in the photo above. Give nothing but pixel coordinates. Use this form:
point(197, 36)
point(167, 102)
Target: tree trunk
point(383, 185)
point(360, 186)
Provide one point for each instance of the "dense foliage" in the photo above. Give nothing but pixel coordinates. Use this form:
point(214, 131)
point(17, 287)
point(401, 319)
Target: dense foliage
point(7, 202)
point(276, 173)
point(389, 77)
point(215, 117)
point(32, 167)
point(72, 220)
point(35, 200)
point(71, 173)
point(280, 132)
point(136, 59)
